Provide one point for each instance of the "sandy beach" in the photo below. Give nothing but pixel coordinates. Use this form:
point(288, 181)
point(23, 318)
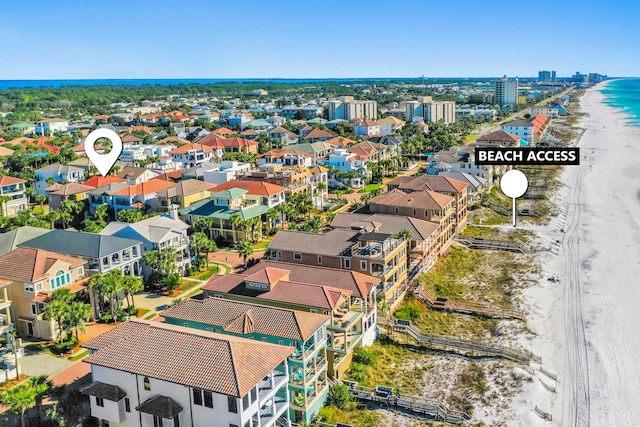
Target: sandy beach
point(587, 325)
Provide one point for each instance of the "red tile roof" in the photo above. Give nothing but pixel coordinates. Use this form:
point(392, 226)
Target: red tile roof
point(9, 180)
point(439, 184)
point(219, 363)
point(237, 142)
point(319, 133)
point(184, 149)
point(100, 181)
point(258, 188)
point(223, 131)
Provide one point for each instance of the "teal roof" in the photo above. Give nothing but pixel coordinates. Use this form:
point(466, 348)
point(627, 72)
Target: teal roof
point(524, 142)
point(22, 125)
point(209, 209)
point(260, 122)
point(228, 194)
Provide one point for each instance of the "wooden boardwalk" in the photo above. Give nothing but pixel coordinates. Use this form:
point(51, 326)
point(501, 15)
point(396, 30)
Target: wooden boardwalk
point(498, 245)
point(471, 308)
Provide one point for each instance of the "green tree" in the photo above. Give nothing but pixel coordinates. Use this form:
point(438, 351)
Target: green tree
point(41, 200)
point(339, 396)
point(204, 225)
point(19, 399)
point(130, 215)
point(130, 286)
point(201, 243)
point(77, 316)
point(101, 213)
point(244, 249)
point(237, 223)
point(41, 387)
point(403, 234)
point(30, 192)
point(58, 309)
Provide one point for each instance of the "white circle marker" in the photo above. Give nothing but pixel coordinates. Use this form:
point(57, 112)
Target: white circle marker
point(514, 184)
point(103, 162)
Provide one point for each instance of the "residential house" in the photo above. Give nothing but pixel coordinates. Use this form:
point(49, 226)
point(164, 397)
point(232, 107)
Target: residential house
point(439, 184)
point(521, 128)
point(156, 233)
point(261, 125)
point(368, 128)
point(422, 245)
point(5, 152)
point(340, 142)
point(428, 205)
point(103, 253)
point(345, 161)
point(139, 196)
point(540, 123)
point(217, 173)
point(294, 179)
point(11, 239)
point(30, 275)
point(104, 195)
point(191, 154)
point(348, 297)
point(377, 254)
point(463, 160)
point(258, 192)
point(389, 125)
point(62, 174)
point(23, 128)
point(283, 135)
point(308, 385)
point(13, 198)
point(239, 145)
point(232, 381)
point(50, 126)
point(316, 135)
point(498, 138)
point(86, 164)
point(545, 110)
point(286, 157)
point(183, 194)
point(477, 185)
point(371, 151)
point(318, 150)
point(320, 175)
point(100, 181)
point(223, 207)
point(57, 193)
point(393, 144)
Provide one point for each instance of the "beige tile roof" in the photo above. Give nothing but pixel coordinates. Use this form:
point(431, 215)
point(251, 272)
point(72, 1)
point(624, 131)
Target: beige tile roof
point(437, 183)
point(237, 317)
point(206, 360)
point(28, 265)
point(418, 199)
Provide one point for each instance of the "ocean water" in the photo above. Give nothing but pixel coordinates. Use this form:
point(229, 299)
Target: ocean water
point(624, 95)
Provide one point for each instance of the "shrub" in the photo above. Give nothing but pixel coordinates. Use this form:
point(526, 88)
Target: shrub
point(408, 311)
point(35, 347)
point(65, 346)
point(106, 318)
point(339, 396)
point(364, 356)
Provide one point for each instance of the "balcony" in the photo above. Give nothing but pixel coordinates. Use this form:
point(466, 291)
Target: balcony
point(344, 321)
point(271, 383)
point(272, 410)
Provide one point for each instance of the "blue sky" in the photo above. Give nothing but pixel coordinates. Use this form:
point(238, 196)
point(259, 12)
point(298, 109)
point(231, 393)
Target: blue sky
point(297, 39)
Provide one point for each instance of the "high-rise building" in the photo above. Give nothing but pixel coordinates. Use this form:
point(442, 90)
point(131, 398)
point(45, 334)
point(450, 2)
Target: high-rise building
point(546, 76)
point(506, 91)
point(346, 108)
point(431, 111)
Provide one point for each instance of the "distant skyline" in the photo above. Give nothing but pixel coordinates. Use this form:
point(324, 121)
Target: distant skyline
point(333, 39)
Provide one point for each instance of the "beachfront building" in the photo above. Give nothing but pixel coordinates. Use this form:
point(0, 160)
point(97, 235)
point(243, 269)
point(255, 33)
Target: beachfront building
point(521, 128)
point(306, 332)
point(376, 254)
point(30, 276)
point(13, 198)
point(186, 378)
point(347, 108)
point(506, 91)
point(347, 297)
point(430, 111)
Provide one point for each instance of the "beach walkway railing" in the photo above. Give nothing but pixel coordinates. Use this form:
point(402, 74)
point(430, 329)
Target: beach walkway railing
point(459, 344)
point(435, 303)
point(486, 244)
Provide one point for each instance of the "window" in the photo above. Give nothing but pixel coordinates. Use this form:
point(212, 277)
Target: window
point(279, 254)
point(176, 421)
point(281, 342)
point(396, 211)
point(208, 399)
point(232, 404)
point(319, 259)
point(127, 404)
point(134, 251)
point(34, 309)
point(100, 401)
point(39, 286)
point(347, 263)
point(297, 256)
point(254, 395)
point(363, 265)
point(415, 212)
point(80, 271)
point(28, 287)
point(245, 402)
point(313, 310)
point(147, 383)
point(197, 396)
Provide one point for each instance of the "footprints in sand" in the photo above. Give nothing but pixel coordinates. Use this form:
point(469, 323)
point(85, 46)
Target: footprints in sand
point(561, 221)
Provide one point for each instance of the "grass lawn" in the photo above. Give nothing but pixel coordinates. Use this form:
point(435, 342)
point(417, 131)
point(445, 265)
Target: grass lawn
point(12, 382)
point(142, 312)
point(151, 316)
point(262, 245)
point(205, 275)
point(470, 138)
point(80, 355)
point(370, 187)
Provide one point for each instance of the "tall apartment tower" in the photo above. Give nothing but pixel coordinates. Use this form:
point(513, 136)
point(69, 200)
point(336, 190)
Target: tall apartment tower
point(506, 91)
point(431, 111)
point(546, 76)
point(346, 108)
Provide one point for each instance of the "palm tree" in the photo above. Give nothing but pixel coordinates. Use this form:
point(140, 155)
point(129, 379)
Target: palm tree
point(236, 223)
point(272, 215)
point(58, 308)
point(41, 386)
point(30, 192)
point(201, 243)
point(131, 285)
point(321, 187)
point(245, 249)
point(19, 399)
point(403, 234)
point(101, 212)
point(204, 225)
point(41, 200)
point(79, 313)
point(3, 204)
point(315, 223)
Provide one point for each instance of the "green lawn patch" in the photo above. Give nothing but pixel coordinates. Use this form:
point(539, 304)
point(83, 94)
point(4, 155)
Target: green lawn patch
point(79, 355)
point(142, 311)
point(151, 316)
point(371, 187)
point(470, 138)
point(206, 275)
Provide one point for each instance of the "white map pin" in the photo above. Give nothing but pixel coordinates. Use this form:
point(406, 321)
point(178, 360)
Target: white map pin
point(514, 184)
point(103, 162)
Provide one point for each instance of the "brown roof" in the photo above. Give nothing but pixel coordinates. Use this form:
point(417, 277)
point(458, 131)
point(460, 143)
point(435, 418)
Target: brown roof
point(68, 189)
point(237, 317)
point(29, 265)
point(437, 183)
point(340, 141)
point(419, 199)
point(9, 180)
point(390, 224)
point(195, 358)
point(104, 391)
point(185, 188)
point(161, 407)
point(4, 151)
point(333, 242)
point(170, 176)
point(319, 133)
point(258, 188)
point(237, 142)
point(184, 149)
point(101, 181)
point(173, 139)
point(499, 136)
point(223, 131)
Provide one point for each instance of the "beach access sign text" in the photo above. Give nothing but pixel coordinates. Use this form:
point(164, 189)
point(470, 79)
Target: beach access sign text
point(527, 156)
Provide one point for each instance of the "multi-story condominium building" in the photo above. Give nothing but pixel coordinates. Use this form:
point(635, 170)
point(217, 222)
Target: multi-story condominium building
point(431, 111)
point(156, 233)
point(306, 332)
point(224, 207)
point(368, 128)
point(422, 241)
point(59, 173)
point(293, 179)
point(192, 154)
point(346, 108)
point(522, 128)
point(103, 253)
point(219, 173)
point(439, 184)
point(376, 254)
point(428, 205)
point(13, 198)
point(546, 76)
point(506, 91)
point(347, 297)
point(51, 126)
point(186, 378)
point(31, 275)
